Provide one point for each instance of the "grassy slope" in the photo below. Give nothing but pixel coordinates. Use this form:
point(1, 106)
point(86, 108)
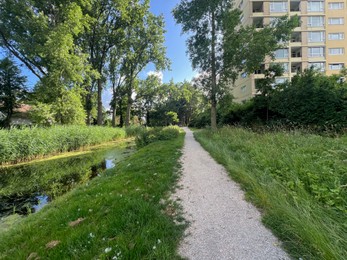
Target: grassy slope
point(122, 210)
point(297, 180)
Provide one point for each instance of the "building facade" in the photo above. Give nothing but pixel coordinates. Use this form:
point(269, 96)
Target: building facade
point(320, 42)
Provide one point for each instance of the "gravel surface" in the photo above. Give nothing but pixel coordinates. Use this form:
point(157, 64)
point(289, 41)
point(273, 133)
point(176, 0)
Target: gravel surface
point(222, 224)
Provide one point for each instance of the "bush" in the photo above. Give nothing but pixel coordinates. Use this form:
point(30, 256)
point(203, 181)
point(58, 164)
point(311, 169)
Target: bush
point(150, 135)
point(134, 130)
point(19, 145)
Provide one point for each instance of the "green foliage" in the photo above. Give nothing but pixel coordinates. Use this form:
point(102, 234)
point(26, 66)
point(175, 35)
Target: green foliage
point(246, 47)
point(150, 135)
point(298, 180)
point(68, 109)
point(134, 130)
point(25, 144)
point(313, 99)
point(11, 88)
point(42, 114)
point(125, 210)
point(172, 117)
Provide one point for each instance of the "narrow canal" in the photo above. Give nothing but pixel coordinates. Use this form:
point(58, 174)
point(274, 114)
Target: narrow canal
point(25, 189)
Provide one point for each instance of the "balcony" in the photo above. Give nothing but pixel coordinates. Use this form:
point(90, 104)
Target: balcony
point(296, 37)
point(296, 67)
point(258, 22)
point(295, 6)
point(261, 70)
point(258, 7)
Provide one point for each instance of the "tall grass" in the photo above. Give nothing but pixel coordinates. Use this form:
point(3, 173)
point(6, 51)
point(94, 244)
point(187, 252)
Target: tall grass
point(24, 144)
point(298, 180)
point(124, 214)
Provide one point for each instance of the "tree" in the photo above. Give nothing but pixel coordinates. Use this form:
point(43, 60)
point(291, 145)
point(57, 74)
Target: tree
point(204, 19)
point(147, 96)
point(11, 87)
point(109, 19)
point(144, 45)
point(42, 35)
point(215, 47)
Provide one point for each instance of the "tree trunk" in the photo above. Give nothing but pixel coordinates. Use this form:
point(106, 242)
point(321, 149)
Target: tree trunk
point(147, 117)
point(214, 75)
point(128, 114)
point(88, 108)
point(121, 120)
point(99, 118)
point(129, 102)
point(114, 105)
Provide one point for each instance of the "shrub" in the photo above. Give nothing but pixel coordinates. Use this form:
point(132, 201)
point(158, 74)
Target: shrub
point(150, 135)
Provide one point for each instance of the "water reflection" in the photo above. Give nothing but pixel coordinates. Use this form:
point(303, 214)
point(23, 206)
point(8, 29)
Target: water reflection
point(27, 188)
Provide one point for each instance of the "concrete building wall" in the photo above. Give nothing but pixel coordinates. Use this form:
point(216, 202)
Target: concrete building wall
point(313, 44)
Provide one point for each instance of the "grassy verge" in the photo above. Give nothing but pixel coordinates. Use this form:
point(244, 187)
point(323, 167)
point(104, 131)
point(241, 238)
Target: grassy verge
point(26, 144)
point(298, 180)
point(121, 215)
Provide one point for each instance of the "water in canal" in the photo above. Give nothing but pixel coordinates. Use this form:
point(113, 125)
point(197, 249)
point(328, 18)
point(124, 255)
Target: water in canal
point(27, 188)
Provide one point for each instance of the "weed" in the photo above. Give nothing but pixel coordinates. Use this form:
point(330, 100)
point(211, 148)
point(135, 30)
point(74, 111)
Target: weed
point(298, 180)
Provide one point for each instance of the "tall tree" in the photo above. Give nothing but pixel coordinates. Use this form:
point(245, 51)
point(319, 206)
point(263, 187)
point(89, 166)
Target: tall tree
point(215, 47)
point(42, 35)
point(204, 20)
point(144, 45)
point(147, 96)
point(109, 19)
point(11, 87)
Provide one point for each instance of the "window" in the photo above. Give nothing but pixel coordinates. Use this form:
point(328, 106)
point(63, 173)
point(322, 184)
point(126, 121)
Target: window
point(281, 53)
point(316, 36)
point(315, 21)
point(336, 66)
point(316, 52)
point(336, 51)
point(336, 6)
point(315, 6)
point(317, 65)
point(338, 20)
point(336, 36)
point(278, 7)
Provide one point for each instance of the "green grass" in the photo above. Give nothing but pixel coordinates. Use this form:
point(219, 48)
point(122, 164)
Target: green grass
point(297, 180)
point(18, 145)
point(124, 214)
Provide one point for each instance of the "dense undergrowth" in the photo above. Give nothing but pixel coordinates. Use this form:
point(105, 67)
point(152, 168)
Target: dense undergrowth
point(120, 215)
point(18, 145)
point(298, 180)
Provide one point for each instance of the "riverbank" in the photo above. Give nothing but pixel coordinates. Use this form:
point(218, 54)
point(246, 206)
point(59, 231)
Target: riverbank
point(123, 142)
point(123, 214)
point(21, 145)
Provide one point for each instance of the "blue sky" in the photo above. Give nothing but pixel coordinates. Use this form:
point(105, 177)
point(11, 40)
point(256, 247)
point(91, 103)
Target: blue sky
point(175, 42)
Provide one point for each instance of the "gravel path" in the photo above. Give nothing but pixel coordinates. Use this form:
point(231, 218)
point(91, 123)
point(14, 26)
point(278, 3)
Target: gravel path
point(223, 225)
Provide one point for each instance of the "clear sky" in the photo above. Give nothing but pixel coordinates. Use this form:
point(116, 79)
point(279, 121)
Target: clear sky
point(175, 42)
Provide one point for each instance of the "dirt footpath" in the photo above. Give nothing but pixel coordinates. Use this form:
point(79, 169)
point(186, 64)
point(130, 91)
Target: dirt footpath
point(223, 224)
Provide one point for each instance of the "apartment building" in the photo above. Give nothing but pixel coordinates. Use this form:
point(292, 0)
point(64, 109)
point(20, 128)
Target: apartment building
point(320, 42)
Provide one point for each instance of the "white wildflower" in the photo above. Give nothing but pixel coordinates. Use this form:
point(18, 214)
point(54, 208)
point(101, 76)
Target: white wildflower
point(108, 249)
